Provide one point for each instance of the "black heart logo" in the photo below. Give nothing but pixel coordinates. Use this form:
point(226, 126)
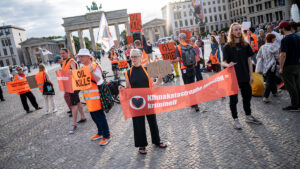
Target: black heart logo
point(138, 102)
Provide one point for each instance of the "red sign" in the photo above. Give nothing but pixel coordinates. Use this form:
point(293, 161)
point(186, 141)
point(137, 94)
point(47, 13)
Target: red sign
point(17, 86)
point(129, 40)
point(167, 51)
point(64, 79)
point(146, 101)
point(122, 64)
point(135, 22)
point(188, 35)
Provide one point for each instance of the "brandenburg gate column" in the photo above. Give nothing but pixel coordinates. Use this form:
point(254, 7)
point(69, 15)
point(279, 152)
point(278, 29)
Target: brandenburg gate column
point(93, 39)
point(70, 42)
point(117, 32)
point(127, 27)
point(81, 39)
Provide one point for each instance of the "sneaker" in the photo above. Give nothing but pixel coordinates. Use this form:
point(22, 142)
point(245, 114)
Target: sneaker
point(54, 111)
point(81, 121)
point(266, 100)
point(197, 109)
point(47, 112)
point(96, 137)
point(2, 100)
point(276, 94)
point(29, 111)
point(38, 108)
point(70, 115)
point(251, 119)
point(291, 108)
point(105, 141)
point(237, 124)
point(72, 130)
point(69, 112)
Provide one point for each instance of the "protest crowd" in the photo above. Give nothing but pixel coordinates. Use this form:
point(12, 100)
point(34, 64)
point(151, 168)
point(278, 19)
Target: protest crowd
point(264, 62)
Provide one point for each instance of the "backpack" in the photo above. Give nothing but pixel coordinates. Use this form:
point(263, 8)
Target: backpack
point(188, 55)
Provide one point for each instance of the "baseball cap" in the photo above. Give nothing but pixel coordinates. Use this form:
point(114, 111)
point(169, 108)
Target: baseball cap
point(283, 24)
point(56, 58)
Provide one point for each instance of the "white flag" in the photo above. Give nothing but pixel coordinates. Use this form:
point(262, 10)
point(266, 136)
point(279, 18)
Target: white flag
point(45, 52)
point(104, 35)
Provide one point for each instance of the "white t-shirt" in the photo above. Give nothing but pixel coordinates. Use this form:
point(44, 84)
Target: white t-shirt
point(97, 71)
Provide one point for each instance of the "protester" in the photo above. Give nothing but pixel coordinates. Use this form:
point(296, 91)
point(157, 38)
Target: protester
point(26, 94)
point(253, 42)
point(200, 43)
point(188, 72)
point(278, 36)
point(290, 64)
point(25, 69)
point(222, 40)
point(238, 53)
point(295, 28)
point(143, 47)
point(42, 77)
point(1, 94)
point(198, 59)
point(175, 65)
point(266, 63)
point(58, 59)
point(70, 64)
point(149, 51)
point(215, 54)
point(92, 97)
point(127, 55)
point(215, 34)
point(261, 38)
point(113, 55)
point(137, 77)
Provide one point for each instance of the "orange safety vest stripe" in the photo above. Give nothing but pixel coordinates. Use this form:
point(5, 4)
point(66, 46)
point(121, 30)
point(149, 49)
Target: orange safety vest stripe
point(149, 79)
point(113, 58)
point(144, 59)
point(40, 79)
point(92, 95)
point(180, 52)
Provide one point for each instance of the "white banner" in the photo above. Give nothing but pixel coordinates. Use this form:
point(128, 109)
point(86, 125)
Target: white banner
point(104, 36)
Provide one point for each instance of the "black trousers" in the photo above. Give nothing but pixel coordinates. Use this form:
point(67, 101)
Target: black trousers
point(188, 76)
point(139, 130)
point(1, 93)
point(270, 83)
point(246, 92)
point(31, 98)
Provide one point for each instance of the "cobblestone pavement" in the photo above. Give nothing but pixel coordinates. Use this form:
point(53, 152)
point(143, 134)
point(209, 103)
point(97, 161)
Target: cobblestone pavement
point(195, 140)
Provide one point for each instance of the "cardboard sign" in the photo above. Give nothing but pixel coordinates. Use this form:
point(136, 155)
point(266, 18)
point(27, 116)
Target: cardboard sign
point(81, 78)
point(161, 67)
point(32, 82)
point(146, 101)
point(5, 74)
point(167, 51)
point(123, 64)
point(17, 86)
point(135, 22)
point(129, 40)
point(64, 80)
point(246, 25)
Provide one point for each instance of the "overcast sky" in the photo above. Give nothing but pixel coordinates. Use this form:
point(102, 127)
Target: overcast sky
point(44, 17)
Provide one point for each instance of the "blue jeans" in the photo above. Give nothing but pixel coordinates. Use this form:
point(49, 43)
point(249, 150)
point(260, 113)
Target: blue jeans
point(100, 119)
point(254, 57)
point(198, 72)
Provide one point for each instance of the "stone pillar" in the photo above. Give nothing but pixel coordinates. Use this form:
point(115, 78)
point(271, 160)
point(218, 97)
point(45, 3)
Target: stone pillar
point(24, 56)
point(117, 32)
point(161, 31)
point(93, 39)
point(81, 39)
point(127, 27)
point(70, 42)
point(32, 56)
point(150, 35)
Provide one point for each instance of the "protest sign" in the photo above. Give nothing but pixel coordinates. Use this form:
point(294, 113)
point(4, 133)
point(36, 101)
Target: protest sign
point(64, 81)
point(135, 22)
point(246, 25)
point(129, 40)
point(146, 101)
point(5, 74)
point(167, 51)
point(32, 82)
point(188, 35)
point(161, 67)
point(17, 86)
point(81, 78)
point(122, 64)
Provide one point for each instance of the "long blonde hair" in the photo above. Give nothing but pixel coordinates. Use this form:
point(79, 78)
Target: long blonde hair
point(231, 37)
point(42, 67)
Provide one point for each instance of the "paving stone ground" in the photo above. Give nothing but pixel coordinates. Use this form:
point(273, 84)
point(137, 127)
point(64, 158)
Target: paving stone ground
point(195, 140)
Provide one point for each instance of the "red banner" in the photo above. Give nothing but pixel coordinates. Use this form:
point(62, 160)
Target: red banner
point(188, 35)
point(135, 22)
point(167, 51)
point(146, 101)
point(17, 86)
point(64, 79)
point(123, 63)
point(129, 40)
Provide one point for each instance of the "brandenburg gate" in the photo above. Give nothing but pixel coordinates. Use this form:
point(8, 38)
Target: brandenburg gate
point(90, 21)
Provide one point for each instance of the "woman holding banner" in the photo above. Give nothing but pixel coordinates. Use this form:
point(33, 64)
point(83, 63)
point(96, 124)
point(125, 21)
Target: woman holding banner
point(137, 77)
point(92, 97)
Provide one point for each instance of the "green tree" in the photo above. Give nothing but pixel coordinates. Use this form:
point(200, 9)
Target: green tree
point(124, 34)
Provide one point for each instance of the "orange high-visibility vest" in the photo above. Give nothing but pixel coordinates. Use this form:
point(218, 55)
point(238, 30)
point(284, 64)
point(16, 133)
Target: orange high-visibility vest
point(19, 77)
point(113, 58)
point(197, 56)
point(92, 95)
point(130, 71)
point(214, 58)
point(144, 59)
point(40, 79)
point(255, 46)
point(181, 62)
point(67, 64)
